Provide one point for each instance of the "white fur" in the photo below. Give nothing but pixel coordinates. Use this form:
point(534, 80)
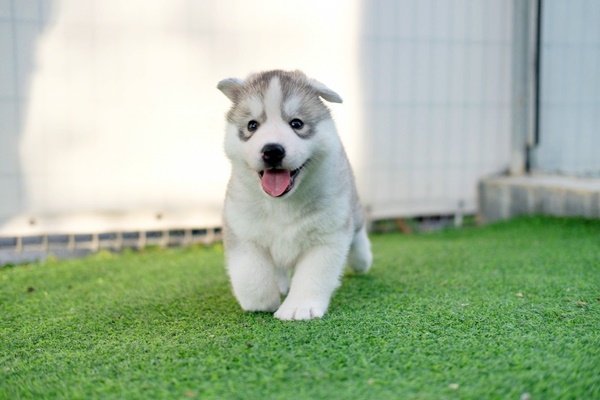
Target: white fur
point(299, 243)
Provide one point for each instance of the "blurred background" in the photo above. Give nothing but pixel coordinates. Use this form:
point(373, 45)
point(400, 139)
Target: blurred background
point(111, 123)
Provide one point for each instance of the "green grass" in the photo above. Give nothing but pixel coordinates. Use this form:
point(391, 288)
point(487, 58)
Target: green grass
point(484, 313)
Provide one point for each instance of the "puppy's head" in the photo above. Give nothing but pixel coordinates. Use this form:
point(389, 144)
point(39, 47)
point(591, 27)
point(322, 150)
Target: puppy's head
point(277, 126)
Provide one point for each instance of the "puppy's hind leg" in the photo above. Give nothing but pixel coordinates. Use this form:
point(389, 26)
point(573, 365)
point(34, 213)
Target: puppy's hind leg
point(360, 256)
point(253, 278)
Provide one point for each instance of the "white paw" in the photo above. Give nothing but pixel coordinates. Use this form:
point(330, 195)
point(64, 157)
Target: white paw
point(260, 304)
point(293, 311)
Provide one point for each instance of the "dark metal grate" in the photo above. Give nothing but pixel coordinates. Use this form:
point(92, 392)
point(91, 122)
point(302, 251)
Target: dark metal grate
point(29, 248)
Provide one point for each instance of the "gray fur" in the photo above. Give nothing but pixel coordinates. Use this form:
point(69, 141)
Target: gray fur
point(293, 84)
point(294, 242)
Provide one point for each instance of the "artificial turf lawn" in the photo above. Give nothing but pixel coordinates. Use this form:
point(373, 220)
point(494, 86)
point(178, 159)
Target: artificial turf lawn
point(505, 311)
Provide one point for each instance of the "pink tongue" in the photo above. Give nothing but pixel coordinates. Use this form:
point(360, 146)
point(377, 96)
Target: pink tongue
point(276, 181)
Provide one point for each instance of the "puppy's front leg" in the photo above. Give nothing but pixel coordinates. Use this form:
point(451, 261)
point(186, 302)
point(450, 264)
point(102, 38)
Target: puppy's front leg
point(317, 276)
point(253, 278)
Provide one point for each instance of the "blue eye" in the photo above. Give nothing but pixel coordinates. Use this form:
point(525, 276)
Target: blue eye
point(252, 126)
point(296, 123)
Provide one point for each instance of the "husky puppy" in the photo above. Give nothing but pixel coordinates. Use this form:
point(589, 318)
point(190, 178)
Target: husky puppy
point(291, 217)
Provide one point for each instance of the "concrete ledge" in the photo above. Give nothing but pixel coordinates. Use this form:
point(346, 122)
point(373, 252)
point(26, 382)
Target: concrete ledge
point(509, 196)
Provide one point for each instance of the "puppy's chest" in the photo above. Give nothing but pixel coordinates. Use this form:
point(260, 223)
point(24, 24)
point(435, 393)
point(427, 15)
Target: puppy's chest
point(285, 236)
point(285, 242)
point(286, 248)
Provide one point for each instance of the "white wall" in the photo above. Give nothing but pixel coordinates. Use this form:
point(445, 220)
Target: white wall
point(117, 118)
point(569, 141)
point(109, 114)
point(438, 101)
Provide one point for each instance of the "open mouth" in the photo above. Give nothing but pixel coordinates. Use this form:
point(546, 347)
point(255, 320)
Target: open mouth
point(277, 182)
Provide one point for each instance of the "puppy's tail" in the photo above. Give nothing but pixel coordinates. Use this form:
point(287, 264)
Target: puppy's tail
point(360, 256)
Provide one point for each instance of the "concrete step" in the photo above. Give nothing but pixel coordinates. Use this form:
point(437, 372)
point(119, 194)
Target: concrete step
point(508, 196)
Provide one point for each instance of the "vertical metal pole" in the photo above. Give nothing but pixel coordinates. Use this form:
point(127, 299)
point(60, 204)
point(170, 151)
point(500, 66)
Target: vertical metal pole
point(142, 241)
point(210, 236)
point(119, 241)
point(535, 140)
point(19, 248)
point(95, 242)
point(525, 87)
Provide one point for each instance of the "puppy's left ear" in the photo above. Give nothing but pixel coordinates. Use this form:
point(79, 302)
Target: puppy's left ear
point(325, 92)
point(230, 87)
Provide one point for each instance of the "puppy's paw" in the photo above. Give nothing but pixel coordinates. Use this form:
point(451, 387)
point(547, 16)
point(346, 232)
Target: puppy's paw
point(260, 304)
point(300, 311)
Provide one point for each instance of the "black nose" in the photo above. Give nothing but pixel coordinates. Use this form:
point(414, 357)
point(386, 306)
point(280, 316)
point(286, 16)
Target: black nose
point(272, 154)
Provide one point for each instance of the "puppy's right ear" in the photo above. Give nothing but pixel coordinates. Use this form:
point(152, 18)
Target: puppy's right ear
point(324, 91)
point(230, 87)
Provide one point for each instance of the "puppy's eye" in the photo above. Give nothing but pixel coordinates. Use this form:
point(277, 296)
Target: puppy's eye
point(296, 123)
point(252, 126)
